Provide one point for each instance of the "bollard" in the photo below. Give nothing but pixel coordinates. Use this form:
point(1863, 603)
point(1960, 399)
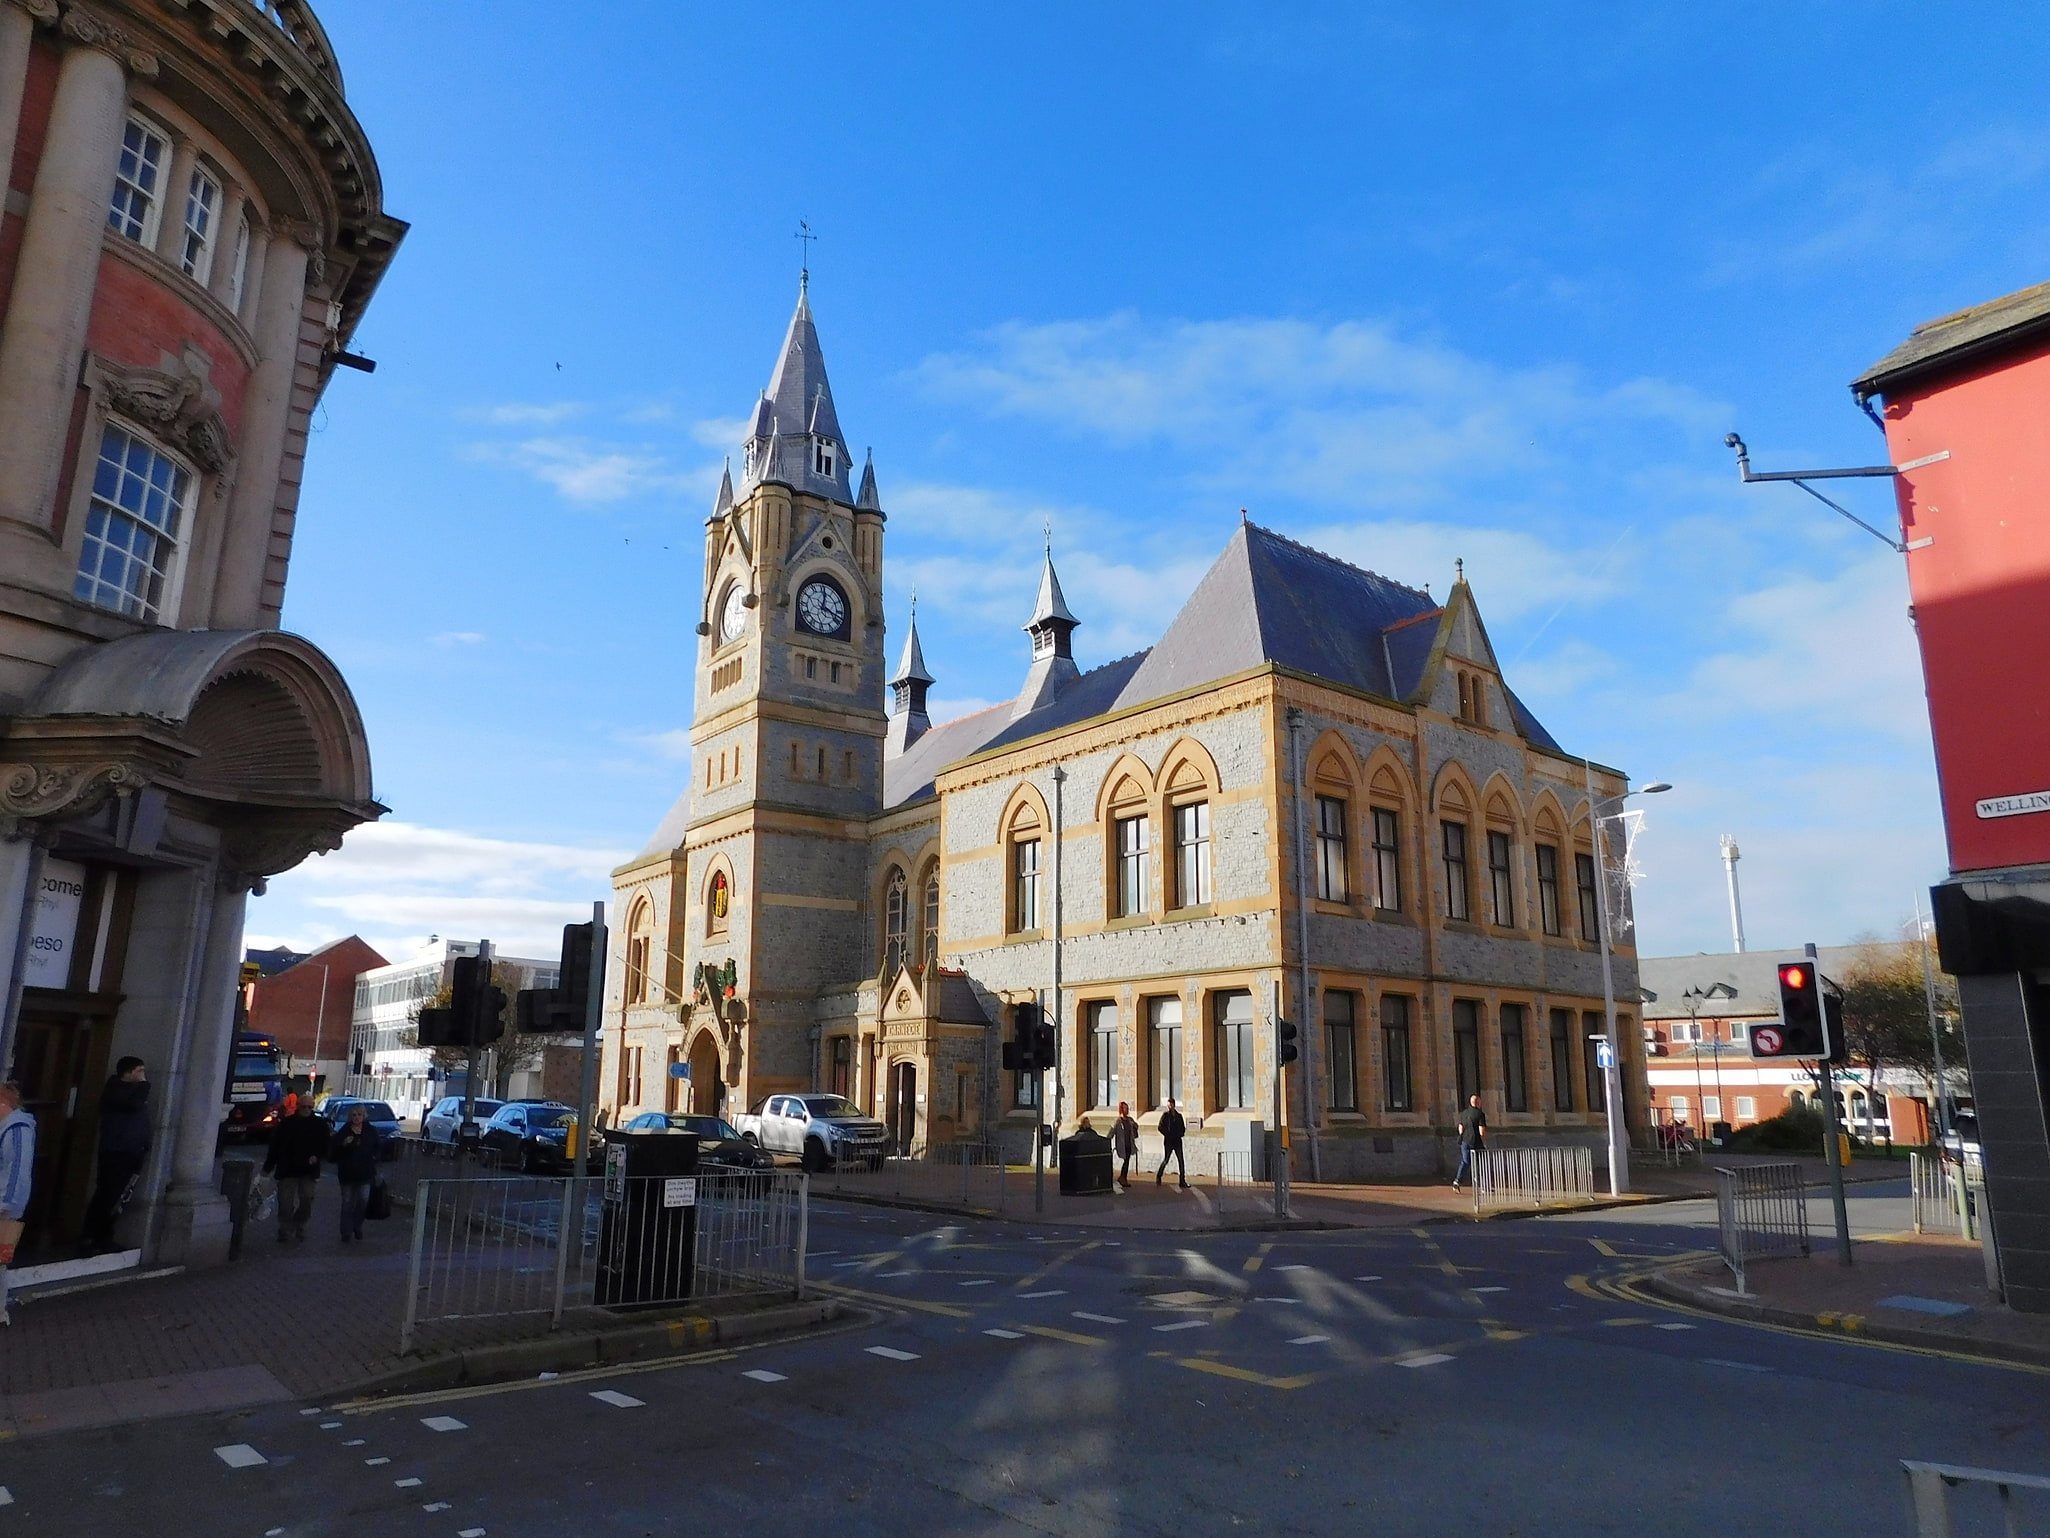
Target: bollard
point(237, 1176)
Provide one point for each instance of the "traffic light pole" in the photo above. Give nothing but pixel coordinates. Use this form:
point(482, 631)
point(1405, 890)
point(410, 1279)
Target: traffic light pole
point(1834, 1148)
point(470, 1058)
point(1039, 1130)
point(1280, 1152)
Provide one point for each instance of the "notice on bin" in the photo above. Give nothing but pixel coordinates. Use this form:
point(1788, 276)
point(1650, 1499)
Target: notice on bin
point(680, 1191)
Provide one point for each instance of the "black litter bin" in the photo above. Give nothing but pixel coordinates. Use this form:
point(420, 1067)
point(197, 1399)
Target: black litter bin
point(1085, 1163)
point(648, 1218)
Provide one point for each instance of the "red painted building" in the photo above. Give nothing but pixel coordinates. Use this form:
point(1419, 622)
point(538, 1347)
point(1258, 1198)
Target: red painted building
point(1967, 417)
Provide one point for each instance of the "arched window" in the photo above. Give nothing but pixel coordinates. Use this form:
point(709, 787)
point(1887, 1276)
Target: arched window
point(896, 918)
point(932, 915)
point(718, 903)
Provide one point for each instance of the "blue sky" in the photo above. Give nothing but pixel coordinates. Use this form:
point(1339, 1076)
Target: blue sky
point(1408, 282)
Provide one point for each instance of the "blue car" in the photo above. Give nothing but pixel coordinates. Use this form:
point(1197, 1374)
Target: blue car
point(383, 1119)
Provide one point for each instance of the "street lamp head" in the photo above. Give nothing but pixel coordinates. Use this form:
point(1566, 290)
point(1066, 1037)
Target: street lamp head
point(1653, 789)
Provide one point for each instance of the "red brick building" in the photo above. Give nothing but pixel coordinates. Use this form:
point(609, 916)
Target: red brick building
point(308, 1006)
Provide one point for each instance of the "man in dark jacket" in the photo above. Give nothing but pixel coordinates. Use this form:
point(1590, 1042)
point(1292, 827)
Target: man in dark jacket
point(297, 1150)
point(1172, 1128)
point(1473, 1138)
point(124, 1145)
point(354, 1150)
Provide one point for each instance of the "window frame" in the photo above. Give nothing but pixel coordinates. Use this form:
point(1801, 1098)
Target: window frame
point(1587, 891)
point(1593, 1029)
point(1333, 849)
point(1512, 1024)
point(164, 584)
point(1164, 1048)
point(1387, 858)
point(1469, 1076)
point(840, 1067)
point(1458, 873)
point(1236, 1086)
point(1134, 874)
point(1100, 1031)
point(896, 917)
point(199, 266)
point(1192, 859)
point(1560, 1025)
point(120, 209)
point(1550, 917)
point(1025, 894)
point(1502, 878)
point(1341, 1045)
point(1398, 1074)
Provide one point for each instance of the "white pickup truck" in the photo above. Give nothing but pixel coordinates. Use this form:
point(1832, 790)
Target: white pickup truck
point(817, 1129)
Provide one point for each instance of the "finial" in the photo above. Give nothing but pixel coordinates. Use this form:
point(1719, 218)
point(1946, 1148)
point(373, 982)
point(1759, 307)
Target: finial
point(1243, 519)
point(914, 603)
point(805, 235)
point(1458, 569)
point(1046, 528)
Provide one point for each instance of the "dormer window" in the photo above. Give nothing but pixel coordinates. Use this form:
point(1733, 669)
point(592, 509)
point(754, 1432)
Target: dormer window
point(748, 456)
point(822, 456)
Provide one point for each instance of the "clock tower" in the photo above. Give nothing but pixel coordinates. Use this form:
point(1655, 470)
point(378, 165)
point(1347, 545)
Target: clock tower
point(787, 730)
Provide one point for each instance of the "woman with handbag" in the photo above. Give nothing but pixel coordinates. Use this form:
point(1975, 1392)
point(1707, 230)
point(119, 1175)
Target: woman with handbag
point(17, 1169)
point(354, 1152)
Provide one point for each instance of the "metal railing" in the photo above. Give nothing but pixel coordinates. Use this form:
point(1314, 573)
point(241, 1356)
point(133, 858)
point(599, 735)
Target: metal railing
point(1516, 1177)
point(1937, 1196)
point(494, 1247)
point(965, 1175)
point(1762, 1213)
point(1237, 1190)
point(1930, 1484)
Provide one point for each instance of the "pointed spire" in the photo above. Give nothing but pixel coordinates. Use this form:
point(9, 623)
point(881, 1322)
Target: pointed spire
point(907, 687)
point(867, 500)
point(795, 437)
point(1051, 627)
point(1052, 607)
point(722, 504)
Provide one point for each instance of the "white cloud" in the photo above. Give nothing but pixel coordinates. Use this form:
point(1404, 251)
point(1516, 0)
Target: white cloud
point(395, 883)
point(1348, 413)
point(721, 433)
point(520, 414)
point(1513, 572)
point(459, 638)
point(588, 472)
point(673, 744)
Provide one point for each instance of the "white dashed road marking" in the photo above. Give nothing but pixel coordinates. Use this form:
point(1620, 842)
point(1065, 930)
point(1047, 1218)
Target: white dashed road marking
point(240, 1455)
point(822, 1254)
point(985, 1282)
point(1295, 1268)
point(330, 1425)
point(1428, 1359)
point(356, 1442)
point(1004, 1334)
point(1185, 1324)
point(1673, 1327)
point(1277, 1300)
point(763, 1375)
point(469, 1532)
point(1098, 1318)
point(893, 1354)
point(1366, 1278)
point(888, 1274)
point(406, 1484)
point(1057, 1292)
point(1309, 1340)
point(375, 1463)
point(1487, 1289)
point(436, 1506)
point(445, 1423)
point(314, 1411)
point(617, 1400)
point(6, 1496)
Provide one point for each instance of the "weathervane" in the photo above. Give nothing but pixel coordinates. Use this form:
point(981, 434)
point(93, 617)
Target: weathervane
point(806, 236)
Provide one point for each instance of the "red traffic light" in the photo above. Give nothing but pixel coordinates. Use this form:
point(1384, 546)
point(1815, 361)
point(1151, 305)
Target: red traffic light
point(1794, 975)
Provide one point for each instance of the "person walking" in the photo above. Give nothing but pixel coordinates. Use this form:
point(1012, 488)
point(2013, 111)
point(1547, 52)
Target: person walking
point(124, 1145)
point(1172, 1130)
point(297, 1150)
point(1473, 1137)
point(17, 1171)
point(1124, 1142)
point(354, 1152)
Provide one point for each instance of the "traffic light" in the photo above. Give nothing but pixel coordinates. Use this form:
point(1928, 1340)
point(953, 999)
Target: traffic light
point(1022, 1053)
point(1800, 1032)
point(477, 1006)
point(565, 1006)
point(1286, 1033)
point(437, 1028)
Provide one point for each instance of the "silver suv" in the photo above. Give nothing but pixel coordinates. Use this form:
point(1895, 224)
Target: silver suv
point(818, 1129)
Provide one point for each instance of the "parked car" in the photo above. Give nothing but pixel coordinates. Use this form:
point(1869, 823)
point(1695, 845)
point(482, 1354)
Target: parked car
point(335, 1111)
point(534, 1136)
point(817, 1129)
point(719, 1145)
point(1961, 1143)
point(438, 1125)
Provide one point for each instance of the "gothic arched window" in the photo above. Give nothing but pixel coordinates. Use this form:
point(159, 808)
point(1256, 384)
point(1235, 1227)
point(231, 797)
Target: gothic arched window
point(896, 918)
point(932, 915)
point(718, 903)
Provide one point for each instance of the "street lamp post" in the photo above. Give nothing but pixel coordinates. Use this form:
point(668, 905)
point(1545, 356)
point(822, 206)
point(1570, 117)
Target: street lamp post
point(1612, 1076)
point(1694, 998)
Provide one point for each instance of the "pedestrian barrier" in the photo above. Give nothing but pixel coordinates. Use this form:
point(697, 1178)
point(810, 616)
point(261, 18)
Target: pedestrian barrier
point(1762, 1213)
point(1940, 1200)
point(499, 1246)
point(965, 1175)
point(1930, 1484)
point(1517, 1177)
point(1237, 1190)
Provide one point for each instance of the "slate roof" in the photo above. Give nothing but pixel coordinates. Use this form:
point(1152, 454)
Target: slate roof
point(1050, 605)
point(1958, 338)
point(797, 406)
point(912, 668)
point(1269, 599)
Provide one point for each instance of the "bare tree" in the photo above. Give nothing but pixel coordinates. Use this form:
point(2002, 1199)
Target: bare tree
point(1886, 1012)
point(513, 1051)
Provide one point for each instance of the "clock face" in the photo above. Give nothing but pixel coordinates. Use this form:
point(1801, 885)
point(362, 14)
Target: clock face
point(820, 607)
point(733, 614)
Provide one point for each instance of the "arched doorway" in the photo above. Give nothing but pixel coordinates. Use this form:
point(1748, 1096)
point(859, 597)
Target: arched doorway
point(904, 1105)
point(706, 1090)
